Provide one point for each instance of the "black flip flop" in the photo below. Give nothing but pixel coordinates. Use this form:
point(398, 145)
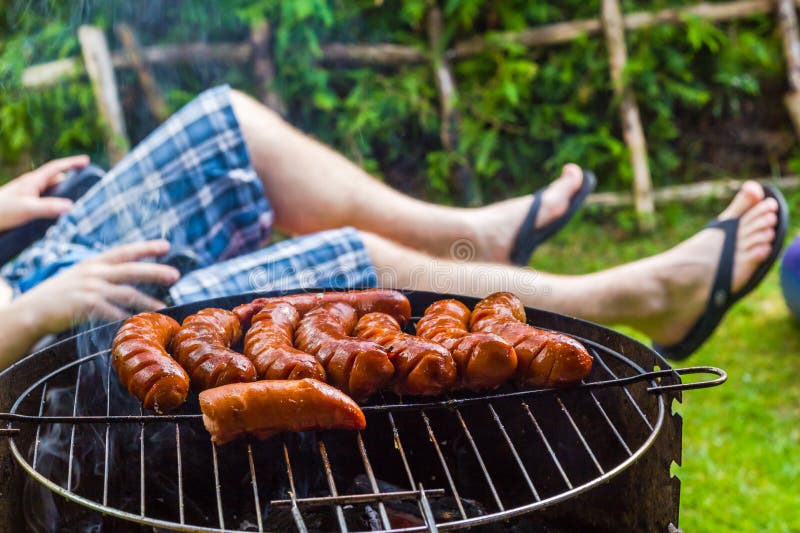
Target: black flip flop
point(529, 238)
point(721, 298)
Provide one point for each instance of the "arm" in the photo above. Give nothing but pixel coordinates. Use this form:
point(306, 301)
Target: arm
point(19, 331)
point(95, 289)
point(21, 201)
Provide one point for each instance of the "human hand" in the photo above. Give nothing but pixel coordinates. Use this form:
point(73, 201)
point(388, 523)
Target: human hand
point(97, 288)
point(21, 199)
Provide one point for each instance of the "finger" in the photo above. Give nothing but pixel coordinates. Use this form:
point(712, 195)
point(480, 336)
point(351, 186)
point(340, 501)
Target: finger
point(133, 251)
point(48, 207)
point(132, 273)
point(129, 297)
point(43, 176)
point(103, 310)
point(58, 178)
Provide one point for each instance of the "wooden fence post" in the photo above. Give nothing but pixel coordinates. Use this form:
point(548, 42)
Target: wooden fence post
point(787, 21)
point(97, 59)
point(629, 113)
point(461, 175)
point(263, 67)
point(152, 94)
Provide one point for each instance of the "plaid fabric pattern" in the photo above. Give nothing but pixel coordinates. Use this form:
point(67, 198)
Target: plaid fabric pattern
point(331, 259)
point(189, 182)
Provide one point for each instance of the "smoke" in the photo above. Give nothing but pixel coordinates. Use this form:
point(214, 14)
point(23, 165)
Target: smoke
point(106, 459)
point(38, 502)
point(51, 454)
point(88, 389)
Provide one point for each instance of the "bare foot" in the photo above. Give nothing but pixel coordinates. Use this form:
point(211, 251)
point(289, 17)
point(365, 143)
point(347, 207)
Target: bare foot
point(686, 272)
point(497, 224)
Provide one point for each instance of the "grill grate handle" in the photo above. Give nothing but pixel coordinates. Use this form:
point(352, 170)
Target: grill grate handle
point(722, 377)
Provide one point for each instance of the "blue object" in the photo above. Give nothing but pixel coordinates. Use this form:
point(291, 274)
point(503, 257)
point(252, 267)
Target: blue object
point(790, 277)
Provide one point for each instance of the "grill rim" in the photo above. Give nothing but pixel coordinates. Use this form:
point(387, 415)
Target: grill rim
point(466, 522)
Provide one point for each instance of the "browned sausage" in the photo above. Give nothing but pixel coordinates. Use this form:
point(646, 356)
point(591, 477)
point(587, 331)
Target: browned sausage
point(139, 355)
point(546, 358)
point(421, 367)
point(484, 360)
point(356, 366)
point(264, 408)
point(203, 348)
point(367, 301)
point(269, 344)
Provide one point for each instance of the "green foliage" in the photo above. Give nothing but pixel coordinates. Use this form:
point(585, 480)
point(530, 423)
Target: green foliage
point(524, 113)
point(56, 121)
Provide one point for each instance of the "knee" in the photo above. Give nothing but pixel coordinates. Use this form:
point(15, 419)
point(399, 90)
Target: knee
point(246, 107)
point(255, 117)
point(242, 104)
point(238, 98)
point(372, 242)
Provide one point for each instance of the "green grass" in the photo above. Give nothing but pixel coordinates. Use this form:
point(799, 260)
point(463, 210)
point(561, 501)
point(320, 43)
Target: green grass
point(741, 441)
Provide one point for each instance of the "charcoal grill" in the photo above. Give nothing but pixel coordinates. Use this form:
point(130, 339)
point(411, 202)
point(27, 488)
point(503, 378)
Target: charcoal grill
point(595, 456)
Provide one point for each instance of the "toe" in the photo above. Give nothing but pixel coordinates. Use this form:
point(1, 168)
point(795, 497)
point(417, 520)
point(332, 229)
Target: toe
point(760, 252)
point(763, 237)
point(572, 170)
point(750, 194)
point(764, 207)
point(757, 230)
point(750, 225)
point(556, 198)
point(570, 180)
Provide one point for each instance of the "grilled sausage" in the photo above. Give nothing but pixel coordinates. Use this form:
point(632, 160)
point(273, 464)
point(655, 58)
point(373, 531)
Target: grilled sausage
point(356, 366)
point(421, 367)
point(546, 358)
point(139, 355)
point(264, 408)
point(268, 344)
point(203, 347)
point(483, 360)
point(368, 301)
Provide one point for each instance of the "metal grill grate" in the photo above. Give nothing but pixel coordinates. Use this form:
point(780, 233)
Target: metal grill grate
point(462, 461)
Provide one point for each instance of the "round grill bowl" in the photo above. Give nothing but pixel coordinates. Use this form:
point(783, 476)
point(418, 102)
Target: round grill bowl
point(422, 464)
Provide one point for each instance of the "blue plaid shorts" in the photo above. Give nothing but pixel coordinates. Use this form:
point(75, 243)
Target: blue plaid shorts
point(191, 182)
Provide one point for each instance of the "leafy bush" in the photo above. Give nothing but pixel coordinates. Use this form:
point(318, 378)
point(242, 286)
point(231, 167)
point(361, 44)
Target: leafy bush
point(524, 112)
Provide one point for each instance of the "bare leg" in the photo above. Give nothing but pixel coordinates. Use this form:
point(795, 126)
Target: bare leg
point(313, 188)
point(662, 296)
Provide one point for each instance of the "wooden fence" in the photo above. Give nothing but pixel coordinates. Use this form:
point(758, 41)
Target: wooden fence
point(99, 63)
